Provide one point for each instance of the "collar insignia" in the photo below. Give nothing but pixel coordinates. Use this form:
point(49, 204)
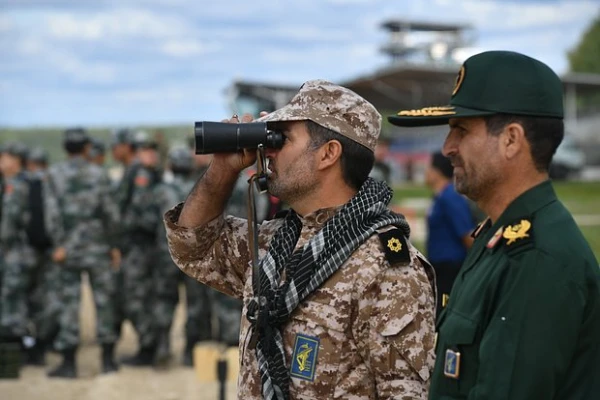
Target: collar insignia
point(494, 239)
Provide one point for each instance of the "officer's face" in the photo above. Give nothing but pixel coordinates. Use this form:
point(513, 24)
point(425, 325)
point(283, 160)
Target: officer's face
point(474, 154)
point(292, 167)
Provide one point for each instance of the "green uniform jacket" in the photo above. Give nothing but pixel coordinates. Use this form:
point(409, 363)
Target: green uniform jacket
point(524, 312)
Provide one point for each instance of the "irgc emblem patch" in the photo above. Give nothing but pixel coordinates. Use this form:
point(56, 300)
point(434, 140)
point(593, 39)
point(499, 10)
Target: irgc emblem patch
point(304, 358)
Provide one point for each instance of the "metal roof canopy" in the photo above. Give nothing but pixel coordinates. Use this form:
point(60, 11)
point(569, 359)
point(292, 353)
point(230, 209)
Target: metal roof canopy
point(396, 25)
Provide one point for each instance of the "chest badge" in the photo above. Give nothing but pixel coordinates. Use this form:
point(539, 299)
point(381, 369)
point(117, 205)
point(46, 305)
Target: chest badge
point(452, 364)
point(517, 231)
point(304, 357)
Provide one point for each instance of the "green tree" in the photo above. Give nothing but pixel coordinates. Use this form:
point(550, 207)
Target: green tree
point(585, 57)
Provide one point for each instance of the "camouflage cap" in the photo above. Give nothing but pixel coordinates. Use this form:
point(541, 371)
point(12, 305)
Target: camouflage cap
point(333, 107)
point(98, 148)
point(38, 155)
point(17, 149)
point(76, 135)
point(180, 157)
point(121, 135)
point(142, 140)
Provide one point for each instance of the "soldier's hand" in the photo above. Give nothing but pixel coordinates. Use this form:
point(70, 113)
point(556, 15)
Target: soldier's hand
point(239, 161)
point(115, 259)
point(59, 255)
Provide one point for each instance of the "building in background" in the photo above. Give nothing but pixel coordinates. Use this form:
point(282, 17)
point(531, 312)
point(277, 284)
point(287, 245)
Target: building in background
point(424, 60)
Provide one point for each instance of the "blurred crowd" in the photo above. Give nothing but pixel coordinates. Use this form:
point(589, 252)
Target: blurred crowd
point(59, 221)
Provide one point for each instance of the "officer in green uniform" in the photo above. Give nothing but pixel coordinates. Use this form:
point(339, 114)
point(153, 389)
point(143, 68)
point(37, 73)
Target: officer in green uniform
point(523, 318)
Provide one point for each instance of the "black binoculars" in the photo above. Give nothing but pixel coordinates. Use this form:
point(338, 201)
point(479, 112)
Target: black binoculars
point(222, 137)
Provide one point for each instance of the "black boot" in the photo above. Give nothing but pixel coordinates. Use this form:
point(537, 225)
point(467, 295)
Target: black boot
point(108, 360)
point(67, 368)
point(36, 355)
point(144, 357)
point(163, 354)
point(188, 352)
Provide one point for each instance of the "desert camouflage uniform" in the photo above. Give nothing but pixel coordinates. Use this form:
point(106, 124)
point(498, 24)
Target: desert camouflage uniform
point(374, 320)
point(18, 258)
point(139, 228)
point(89, 217)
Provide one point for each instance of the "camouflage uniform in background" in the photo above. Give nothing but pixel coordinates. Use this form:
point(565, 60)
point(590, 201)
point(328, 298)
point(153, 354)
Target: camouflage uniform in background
point(122, 194)
point(44, 302)
point(89, 217)
point(167, 276)
point(18, 258)
point(139, 228)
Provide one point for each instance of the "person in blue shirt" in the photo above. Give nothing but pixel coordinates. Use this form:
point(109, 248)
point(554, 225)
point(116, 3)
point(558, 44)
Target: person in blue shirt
point(449, 226)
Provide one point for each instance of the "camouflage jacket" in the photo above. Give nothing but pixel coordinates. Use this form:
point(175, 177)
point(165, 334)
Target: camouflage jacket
point(167, 195)
point(139, 219)
point(88, 214)
point(15, 215)
point(374, 322)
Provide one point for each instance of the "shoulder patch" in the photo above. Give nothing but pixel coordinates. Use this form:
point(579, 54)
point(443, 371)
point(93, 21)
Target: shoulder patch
point(395, 246)
point(518, 235)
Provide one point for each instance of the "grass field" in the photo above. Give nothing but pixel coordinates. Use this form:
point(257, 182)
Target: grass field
point(581, 198)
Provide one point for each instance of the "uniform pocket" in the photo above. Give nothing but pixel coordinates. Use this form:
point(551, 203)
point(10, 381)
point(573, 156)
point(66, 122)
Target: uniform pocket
point(316, 335)
point(458, 339)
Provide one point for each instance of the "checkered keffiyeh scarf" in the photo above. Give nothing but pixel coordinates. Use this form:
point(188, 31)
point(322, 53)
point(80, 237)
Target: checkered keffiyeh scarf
point(306, 269)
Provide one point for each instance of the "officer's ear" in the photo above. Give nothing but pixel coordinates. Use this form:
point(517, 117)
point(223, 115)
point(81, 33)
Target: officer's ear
point(513, 141)
point(328, 154)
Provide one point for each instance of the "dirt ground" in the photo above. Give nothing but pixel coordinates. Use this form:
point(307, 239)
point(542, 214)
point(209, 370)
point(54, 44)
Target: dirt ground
point(176, 383)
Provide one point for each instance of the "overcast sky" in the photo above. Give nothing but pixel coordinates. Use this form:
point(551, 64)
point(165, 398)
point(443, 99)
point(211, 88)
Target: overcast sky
point(108, 63)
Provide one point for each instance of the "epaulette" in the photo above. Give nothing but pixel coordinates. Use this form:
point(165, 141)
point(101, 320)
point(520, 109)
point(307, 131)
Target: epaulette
point(395, 246)
point(518, 235)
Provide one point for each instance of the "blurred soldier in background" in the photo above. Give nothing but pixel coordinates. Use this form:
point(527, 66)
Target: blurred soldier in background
point(43, 219)
point(37, 159)
point(123, 152)
point(18, 257)
point(97, 152)
point(167, 276)
point(139, 225)
point(382, 170)
point(89, 217)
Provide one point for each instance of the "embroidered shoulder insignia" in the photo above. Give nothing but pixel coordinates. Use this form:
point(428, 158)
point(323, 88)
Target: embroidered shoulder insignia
point(516, 231)
point(518, 234)
point(395, 246)
point(304, 358)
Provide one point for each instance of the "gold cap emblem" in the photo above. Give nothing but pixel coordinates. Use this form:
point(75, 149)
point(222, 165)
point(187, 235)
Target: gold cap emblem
point(459, 80)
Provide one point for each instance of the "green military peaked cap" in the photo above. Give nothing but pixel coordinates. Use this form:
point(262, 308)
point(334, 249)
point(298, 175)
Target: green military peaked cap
point(494, 82)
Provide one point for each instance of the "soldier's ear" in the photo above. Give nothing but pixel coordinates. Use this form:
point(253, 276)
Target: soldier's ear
point(513, 140)
point(328, 154)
